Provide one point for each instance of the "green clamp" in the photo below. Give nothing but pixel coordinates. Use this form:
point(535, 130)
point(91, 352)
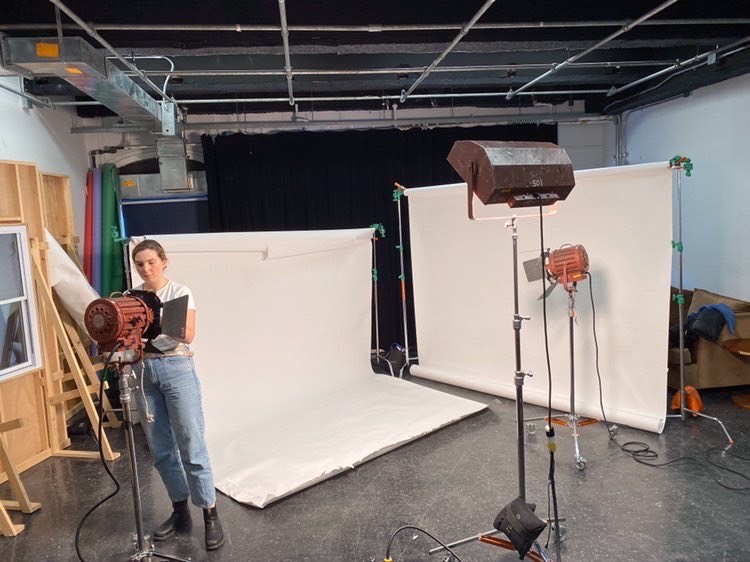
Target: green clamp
point(375, 274)
point(401, 277)
point(116, 235)
point(680, 298)
point(400, 247)
point(397, 194)
point(682, 161)
point(677, 245)
point(379, 229)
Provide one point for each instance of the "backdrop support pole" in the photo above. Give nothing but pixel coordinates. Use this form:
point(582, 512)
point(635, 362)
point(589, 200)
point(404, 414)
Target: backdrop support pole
point(681, 163)
point(397, 194)
point(377, 352)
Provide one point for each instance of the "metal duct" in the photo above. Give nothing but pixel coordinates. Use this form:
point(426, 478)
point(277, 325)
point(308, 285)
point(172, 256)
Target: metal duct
point(173, 165)
point(86, 68)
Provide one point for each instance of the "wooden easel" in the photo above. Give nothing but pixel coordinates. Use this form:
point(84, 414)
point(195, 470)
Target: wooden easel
point(22, 502)
point(73, 351)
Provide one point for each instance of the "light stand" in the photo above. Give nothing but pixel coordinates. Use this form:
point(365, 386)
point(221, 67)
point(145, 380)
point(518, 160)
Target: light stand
point(519, 174)
point(518, 379)
point(681, 163)
point(143, 551)
point(567, 266)
point(120, 323)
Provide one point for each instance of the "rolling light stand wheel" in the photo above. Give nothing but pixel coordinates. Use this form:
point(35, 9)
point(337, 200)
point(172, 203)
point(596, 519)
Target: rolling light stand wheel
point(530, 428)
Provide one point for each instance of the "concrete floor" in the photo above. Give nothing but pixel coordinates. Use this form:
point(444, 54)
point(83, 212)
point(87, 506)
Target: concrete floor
point(451, 483)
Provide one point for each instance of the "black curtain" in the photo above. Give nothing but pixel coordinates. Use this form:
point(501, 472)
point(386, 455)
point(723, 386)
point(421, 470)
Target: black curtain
point(327, 180)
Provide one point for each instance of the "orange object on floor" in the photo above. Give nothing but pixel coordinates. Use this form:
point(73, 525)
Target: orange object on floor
point(692, 398)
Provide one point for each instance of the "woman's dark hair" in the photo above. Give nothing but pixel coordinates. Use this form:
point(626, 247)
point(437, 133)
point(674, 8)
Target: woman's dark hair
point(149, 245)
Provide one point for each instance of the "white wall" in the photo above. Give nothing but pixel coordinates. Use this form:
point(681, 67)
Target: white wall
point(589, 145)
point(712, 127)
point(42, 136)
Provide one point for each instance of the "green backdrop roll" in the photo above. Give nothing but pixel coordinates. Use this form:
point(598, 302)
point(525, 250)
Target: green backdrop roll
point(112, 264)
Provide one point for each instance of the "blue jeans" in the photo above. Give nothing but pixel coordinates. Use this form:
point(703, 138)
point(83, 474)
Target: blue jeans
point(176, 437)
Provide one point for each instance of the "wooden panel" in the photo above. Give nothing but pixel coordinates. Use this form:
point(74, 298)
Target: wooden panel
point(58, 207)
point(22, 397)
point(31, 200)
point(10, 204)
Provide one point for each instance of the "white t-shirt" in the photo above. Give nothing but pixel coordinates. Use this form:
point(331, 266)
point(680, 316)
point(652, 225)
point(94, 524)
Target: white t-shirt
point(168, 292)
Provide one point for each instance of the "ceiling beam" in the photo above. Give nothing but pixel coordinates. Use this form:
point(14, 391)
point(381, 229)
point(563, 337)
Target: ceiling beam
point(624, 29)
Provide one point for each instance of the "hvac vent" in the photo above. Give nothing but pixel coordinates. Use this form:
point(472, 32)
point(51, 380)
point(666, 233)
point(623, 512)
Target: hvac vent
point(77, 62)
point(173, 165)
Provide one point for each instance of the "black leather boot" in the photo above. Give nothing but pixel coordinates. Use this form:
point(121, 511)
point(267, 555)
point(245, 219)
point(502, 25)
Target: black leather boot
point(178, 521)
point(214, 532)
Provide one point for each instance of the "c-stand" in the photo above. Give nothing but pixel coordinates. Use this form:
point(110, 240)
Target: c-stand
point(143, 550)
point(518, 379)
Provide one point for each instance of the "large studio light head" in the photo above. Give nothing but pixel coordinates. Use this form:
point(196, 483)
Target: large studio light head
point(519, 174)
point(119, 323)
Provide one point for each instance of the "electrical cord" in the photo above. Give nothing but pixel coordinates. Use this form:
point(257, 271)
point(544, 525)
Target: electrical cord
point(640, 451)
point(406, 527)
point(636, 449)
point(549, 430)
point(101, 456)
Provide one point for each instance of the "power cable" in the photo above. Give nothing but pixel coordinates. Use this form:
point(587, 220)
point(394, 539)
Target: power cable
point(79, 528)
point(413, 528)
point(641, 452)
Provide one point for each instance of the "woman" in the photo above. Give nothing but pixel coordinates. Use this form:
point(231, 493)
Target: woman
point(171, 402)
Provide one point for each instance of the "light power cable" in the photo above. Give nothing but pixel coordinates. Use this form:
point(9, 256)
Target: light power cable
point(79, 528)
point(642, 453)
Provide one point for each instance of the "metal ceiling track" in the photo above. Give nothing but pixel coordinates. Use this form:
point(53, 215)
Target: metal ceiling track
point(385, 123)
point(373, 27)
point(461, 34)
point(287, 56)
point(624, 29)
point(400, 70)
point(377, 98)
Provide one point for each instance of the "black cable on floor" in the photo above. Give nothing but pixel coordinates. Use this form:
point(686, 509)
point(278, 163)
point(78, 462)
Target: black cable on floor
point(101, 456)
point(406, 527)
point(640, 451)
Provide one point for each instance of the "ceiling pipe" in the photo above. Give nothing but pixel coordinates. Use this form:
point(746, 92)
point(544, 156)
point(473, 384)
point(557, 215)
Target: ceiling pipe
point(167, 73)
point(362, 98)
point(390, 97)
point(399, 70)
point(464, 30)
point(33, 99)
point(287, 57)
point(373, 28)
point(401, 122)
point(625, 28)
point(678, 65)
point(92, 32)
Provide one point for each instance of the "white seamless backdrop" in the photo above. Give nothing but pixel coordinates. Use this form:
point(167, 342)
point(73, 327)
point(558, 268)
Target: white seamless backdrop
point(283, 355)
point(463, 294)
